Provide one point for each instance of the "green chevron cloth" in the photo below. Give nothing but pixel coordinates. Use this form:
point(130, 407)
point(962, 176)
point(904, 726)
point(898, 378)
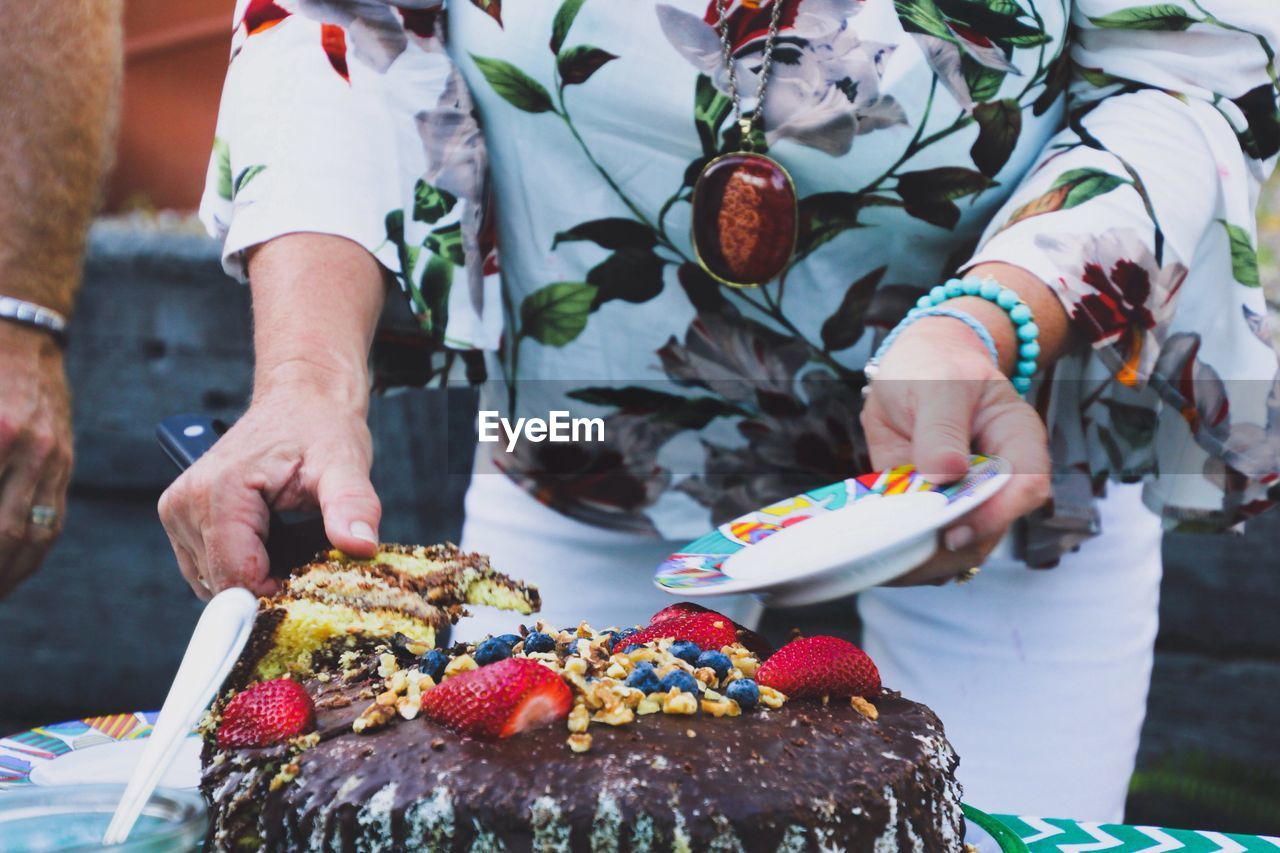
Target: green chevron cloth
point(1054, 835)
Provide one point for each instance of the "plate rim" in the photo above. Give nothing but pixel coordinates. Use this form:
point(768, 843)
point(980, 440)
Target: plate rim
point(131, 725)
point(735, 586)
point(1004, 836)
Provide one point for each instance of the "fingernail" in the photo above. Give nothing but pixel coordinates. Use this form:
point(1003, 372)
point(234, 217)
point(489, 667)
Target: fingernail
point(361, 530)
point(958, 538)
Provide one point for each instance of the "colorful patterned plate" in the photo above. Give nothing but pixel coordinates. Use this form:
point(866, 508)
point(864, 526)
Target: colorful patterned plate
point(89, 751)
point(855, 534)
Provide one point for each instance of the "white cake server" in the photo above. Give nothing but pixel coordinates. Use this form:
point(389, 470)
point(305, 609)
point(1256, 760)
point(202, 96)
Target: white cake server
point(215, 646)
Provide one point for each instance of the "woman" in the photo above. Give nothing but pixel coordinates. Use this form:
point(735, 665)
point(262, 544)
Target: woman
point(1104, 174)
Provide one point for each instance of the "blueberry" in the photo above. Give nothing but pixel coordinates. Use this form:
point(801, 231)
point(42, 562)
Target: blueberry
point(745, 692)
point(718, 661)
point(631, 648)
point(644, 678)
point(509, 639)
point(619, 636)
point(536, 641)
point(433, 664)
point(686, 650)
point(492, 650)
point(679, 678)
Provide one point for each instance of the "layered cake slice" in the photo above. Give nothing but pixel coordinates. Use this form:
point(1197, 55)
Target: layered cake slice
point(686, 734)
point(337, 604)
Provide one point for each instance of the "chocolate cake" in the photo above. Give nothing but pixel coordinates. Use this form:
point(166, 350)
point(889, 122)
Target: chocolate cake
point(676, 736)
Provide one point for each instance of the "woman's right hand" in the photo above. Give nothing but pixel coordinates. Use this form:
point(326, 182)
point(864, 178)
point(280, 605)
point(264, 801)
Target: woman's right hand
point(296, 448)
point(304, 443)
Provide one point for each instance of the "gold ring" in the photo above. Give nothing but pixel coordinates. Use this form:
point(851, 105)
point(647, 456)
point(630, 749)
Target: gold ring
point(967, 575)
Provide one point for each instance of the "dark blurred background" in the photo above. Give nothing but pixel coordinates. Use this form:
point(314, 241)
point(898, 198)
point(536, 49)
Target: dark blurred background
point(160, 330)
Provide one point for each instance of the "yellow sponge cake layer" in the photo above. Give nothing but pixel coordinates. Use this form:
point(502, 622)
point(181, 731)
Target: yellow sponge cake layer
point(308, 625)
point(337, 603)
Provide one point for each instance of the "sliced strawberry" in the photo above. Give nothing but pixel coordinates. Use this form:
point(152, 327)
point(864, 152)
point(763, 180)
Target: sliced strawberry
point(821, 666)
point(707, 628)
point(499, 700)
point(266, 713)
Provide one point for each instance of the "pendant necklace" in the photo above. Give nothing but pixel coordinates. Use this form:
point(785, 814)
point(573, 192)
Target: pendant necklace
point(745, 210)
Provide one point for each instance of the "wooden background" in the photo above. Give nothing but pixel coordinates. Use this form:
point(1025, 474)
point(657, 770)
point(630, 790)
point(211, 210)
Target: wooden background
point(160, 331)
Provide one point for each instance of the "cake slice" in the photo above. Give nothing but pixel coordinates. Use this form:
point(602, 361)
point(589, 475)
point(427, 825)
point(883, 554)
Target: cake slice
point(338, 604)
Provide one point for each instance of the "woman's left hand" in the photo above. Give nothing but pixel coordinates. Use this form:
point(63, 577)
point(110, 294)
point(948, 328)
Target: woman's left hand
point(937, 397)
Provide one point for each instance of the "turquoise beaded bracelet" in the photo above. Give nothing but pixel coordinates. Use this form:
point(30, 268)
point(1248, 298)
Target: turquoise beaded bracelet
point(1019, 313)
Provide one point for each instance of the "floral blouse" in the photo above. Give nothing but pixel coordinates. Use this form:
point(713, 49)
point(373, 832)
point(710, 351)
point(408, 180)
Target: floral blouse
point(524, 170)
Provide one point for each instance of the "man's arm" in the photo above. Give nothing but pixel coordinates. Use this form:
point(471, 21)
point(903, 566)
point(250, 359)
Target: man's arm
point(60, 63)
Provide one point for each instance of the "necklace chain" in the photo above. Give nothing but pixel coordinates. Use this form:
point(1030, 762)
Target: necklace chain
point(746, 125)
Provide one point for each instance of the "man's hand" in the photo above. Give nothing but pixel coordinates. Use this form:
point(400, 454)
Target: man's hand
point(299, 447)
point(35, 448)
point(937, 398)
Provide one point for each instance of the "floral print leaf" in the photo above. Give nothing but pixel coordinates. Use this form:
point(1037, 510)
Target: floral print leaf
point(1244, 259)
point(1159, 16)
point(492, 8)
point(632, 275)
point(999, 123)
point(563, 21)
point(434, 293)
point(1073, 187)
point(447, 243)
point(222, 156)
point(930, 194)
point(984, 82)
point(845, 326)
point(246, 175)
point(710, 108)
point(516, 88)
point(577, 64)
point(262, 15)
point(823, 216)
point(430, 203)
point(610, 233)
point(556, 314)
point(334, 41)
point(922, 16)
point(1262, 139)
point(687, 412)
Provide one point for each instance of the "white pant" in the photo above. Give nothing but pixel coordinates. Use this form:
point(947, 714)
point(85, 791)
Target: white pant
point(1040, 677)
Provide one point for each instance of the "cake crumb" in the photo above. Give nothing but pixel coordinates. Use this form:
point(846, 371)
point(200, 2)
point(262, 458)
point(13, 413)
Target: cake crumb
point(690, 732)
point(437, 743)
point(865, 708)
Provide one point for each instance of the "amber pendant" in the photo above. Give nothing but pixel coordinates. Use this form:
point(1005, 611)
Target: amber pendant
point(745, 215)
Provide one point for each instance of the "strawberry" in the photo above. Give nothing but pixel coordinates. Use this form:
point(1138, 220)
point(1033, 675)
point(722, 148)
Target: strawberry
point(683, 609)
point(678, 609)
point(707, 628)
point(499, 700)
point(266, 713)
point(821, 666)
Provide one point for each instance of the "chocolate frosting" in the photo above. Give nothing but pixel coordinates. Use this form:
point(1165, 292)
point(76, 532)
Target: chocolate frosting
point(807, 776)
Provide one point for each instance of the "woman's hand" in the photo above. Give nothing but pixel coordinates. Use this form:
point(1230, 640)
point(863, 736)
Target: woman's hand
point(303, 444)
point(938, 397)
point(298, 447)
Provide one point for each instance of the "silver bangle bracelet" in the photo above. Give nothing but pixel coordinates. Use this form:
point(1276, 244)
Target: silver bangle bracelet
point(36, 316)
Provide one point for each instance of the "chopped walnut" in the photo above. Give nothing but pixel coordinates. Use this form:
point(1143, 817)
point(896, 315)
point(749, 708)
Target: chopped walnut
point(374, 717)
point(865, 708)
point(580, 742)
point(579, 719)
point(771, 698)
point(680, 703)
point(387, 664)
point(706, 675)
point(648, 705)
point(409, 706)
point(721, 707)
point(459, 665)
point(616, 715)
